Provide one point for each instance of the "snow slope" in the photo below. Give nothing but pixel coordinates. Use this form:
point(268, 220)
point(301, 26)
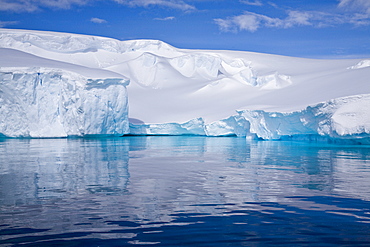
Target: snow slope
point(178, 91)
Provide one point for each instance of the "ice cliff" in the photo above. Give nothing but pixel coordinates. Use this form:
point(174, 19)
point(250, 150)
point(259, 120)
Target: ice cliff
point(59, 84)
point(343, 120)
point(346, 117)
point(44, 102)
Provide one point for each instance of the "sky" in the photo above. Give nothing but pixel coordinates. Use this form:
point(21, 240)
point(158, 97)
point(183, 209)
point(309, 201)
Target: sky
point(299, 28)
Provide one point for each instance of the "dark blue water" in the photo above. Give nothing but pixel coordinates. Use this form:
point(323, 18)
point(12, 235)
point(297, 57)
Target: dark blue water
point(182, 191)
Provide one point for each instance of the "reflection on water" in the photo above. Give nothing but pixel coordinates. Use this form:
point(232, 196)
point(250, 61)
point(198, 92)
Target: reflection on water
point(35, 170)
point(197, 191)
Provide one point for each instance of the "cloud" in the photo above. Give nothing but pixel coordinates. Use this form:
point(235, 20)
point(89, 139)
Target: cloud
point(362, 6)
point(251, 22)
point(17, 6)
point(273, 5)
point(175, 4)
point(8, 23)
point(61, 4)
point(360, 11)
point(359, 19)
point(34, 5)
point(298, 18)
point(98, 20)
point(247, 22)
point(170, 18)
point(254, 3)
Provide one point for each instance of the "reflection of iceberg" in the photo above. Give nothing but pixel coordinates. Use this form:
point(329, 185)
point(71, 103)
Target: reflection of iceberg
point(174, 174)
point(172, 169)
point(83, 186)
point(60, 168)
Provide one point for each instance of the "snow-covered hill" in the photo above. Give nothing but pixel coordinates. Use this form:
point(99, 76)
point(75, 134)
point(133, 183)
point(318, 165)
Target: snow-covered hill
point(178, 91)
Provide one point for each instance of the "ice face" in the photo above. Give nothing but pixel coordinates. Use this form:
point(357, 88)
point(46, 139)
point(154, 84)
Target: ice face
point(342, 118)
point(192, 127)
point(233, 126)
point(40, 102)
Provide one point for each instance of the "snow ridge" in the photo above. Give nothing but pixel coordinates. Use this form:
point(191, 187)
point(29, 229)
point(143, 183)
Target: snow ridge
point(361, 64)
point(147, 60)
point(75, 43)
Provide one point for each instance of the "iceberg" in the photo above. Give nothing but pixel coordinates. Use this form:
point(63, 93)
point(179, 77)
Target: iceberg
point(44, 102)
point(60, 85)
point(192, 127)
point(342, 118)
point(232, 126)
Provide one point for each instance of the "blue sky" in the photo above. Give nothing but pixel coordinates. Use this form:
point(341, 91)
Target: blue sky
point(302, 28)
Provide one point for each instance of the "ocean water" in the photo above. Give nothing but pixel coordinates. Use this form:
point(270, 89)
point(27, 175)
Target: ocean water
point(182, 191)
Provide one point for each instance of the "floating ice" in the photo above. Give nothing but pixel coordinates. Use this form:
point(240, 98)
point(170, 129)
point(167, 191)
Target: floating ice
point(347, 117)
point(232, 126)
point(192, 127)
point(343, 118)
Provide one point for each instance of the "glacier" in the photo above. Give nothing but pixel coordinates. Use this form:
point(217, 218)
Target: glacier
point(60, 85)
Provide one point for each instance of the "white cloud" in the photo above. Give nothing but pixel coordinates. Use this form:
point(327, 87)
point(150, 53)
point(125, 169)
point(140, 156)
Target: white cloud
point(359, 11)
point(251, 22)
point(98, 20)
point(175, 4)
point(7, 23)
point(362, 6)
point(254, 3)
point(298, 18)
point(359, 19)
point(17, 6)
point(273, 5)
point(169, 18)
point(245, 22)
point(61, 4)
point(34, 5)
